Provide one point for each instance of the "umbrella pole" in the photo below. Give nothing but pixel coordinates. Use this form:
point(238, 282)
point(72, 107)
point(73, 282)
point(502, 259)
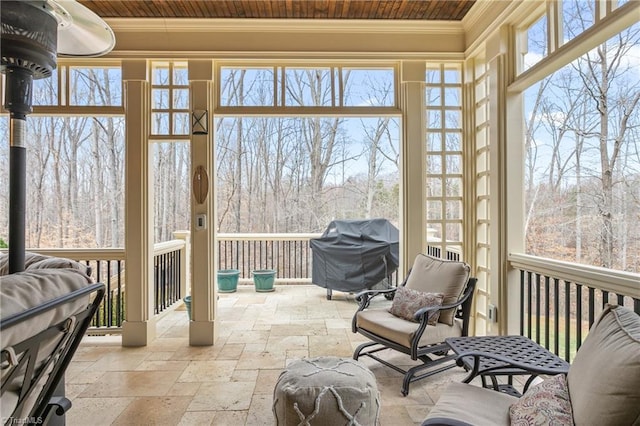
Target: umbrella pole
point(17, 195)
point(18, 87)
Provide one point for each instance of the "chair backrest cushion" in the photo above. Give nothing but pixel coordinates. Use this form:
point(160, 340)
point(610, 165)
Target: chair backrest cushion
point(604, 378)
point(432, 275)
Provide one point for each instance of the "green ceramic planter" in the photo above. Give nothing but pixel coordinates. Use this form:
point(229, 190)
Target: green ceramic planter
point(187, 303)
point(263, 279)
point(228, 280)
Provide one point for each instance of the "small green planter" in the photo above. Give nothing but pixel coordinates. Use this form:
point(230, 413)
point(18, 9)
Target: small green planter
point(228, 280)
point(187, 303)
point(263, 279)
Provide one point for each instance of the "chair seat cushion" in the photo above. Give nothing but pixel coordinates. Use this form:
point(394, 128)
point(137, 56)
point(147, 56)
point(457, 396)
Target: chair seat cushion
point(384, 324)
point(471, 405)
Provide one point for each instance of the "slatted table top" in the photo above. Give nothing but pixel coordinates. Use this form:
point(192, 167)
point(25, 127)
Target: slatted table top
point(517, 349)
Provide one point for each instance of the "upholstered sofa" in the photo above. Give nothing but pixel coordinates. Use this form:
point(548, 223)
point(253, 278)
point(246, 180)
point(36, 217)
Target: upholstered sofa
point(602, 386)
point(44, 312)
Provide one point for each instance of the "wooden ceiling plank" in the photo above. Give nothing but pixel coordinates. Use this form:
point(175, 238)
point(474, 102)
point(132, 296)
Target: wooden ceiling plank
point(269, 9)
point(383, 9)
point(393, 9)
point(321, 9)
point(300, 9)
point(332, 5)
point(372, 10)
point(235, 8)
point(418, 10)
point(102, 7)
point(253, 9)
point(431, 11)
point(220, 8)
point(462, 9)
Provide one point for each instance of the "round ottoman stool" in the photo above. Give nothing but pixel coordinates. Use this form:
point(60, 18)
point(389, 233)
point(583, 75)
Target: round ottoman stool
point(326, 391)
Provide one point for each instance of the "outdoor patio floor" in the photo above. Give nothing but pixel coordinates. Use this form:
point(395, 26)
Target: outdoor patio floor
point(231, 383)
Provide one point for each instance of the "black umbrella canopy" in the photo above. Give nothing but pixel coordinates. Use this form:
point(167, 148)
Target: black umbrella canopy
point(33, 34)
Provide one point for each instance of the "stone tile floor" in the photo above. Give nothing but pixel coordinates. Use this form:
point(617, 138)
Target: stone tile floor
point(231, 383)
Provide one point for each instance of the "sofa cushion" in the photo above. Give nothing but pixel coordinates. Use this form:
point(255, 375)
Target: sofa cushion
point(406, 302)
point(544, 404)
point(472, 405)
point(39, 261)
point(20, 292)
point(604, 378)
point(28, 289)
point(432, 275)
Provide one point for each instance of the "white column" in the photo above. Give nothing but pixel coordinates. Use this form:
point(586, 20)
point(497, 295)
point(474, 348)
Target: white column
point(139, 328)
point(506, 186)
point(203, 289)
point(413, 216)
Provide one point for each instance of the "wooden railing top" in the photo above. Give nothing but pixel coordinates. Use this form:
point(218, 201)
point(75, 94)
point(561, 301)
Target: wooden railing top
point(267, 236)
point(619, 282)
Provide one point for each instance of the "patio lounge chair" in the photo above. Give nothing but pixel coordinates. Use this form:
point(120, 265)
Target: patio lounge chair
point(433, 303)
point(601, 388)
point(44, 314)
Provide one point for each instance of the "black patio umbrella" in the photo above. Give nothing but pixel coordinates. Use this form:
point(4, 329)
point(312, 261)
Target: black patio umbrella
point(33, 34)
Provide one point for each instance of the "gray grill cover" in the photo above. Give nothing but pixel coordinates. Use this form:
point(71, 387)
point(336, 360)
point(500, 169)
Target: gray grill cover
point(353, 255)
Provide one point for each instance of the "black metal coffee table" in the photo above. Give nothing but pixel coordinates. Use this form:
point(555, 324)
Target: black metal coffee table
point(492, 356)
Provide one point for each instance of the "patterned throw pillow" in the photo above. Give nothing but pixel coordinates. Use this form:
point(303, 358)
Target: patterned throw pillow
point(547, 403)
point(407, 301)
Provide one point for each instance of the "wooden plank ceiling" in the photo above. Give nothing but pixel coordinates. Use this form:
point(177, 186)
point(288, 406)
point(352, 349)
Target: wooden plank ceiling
point(446, 10)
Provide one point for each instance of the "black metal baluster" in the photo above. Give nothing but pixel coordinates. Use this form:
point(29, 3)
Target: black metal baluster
point(522, 294)
point(556, 315)
point(578, 316)
point(547, 315)
point(567, 320)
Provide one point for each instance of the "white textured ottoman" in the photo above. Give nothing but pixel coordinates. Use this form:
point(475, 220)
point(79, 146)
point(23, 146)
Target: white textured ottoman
point(326, 391)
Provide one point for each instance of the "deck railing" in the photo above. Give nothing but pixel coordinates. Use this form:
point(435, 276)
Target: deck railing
point(169, 267)
point(559, 301)
point(108, 267)
point(288, 254)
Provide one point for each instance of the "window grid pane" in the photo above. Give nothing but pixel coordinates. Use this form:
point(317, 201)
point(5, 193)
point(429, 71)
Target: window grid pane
point(312, 86)
point(444, 167)
point(169, 99)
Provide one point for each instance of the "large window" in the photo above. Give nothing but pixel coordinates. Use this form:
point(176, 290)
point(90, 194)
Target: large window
point(75, 163)
point(296, 86)
point(75, 181)
point(296, 174)
point(80, 86)
point(172, 189)
point(583, 158)
point(297, 171)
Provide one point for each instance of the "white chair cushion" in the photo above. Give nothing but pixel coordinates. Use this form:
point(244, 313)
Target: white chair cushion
point(472, 405)
point(401, 331)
